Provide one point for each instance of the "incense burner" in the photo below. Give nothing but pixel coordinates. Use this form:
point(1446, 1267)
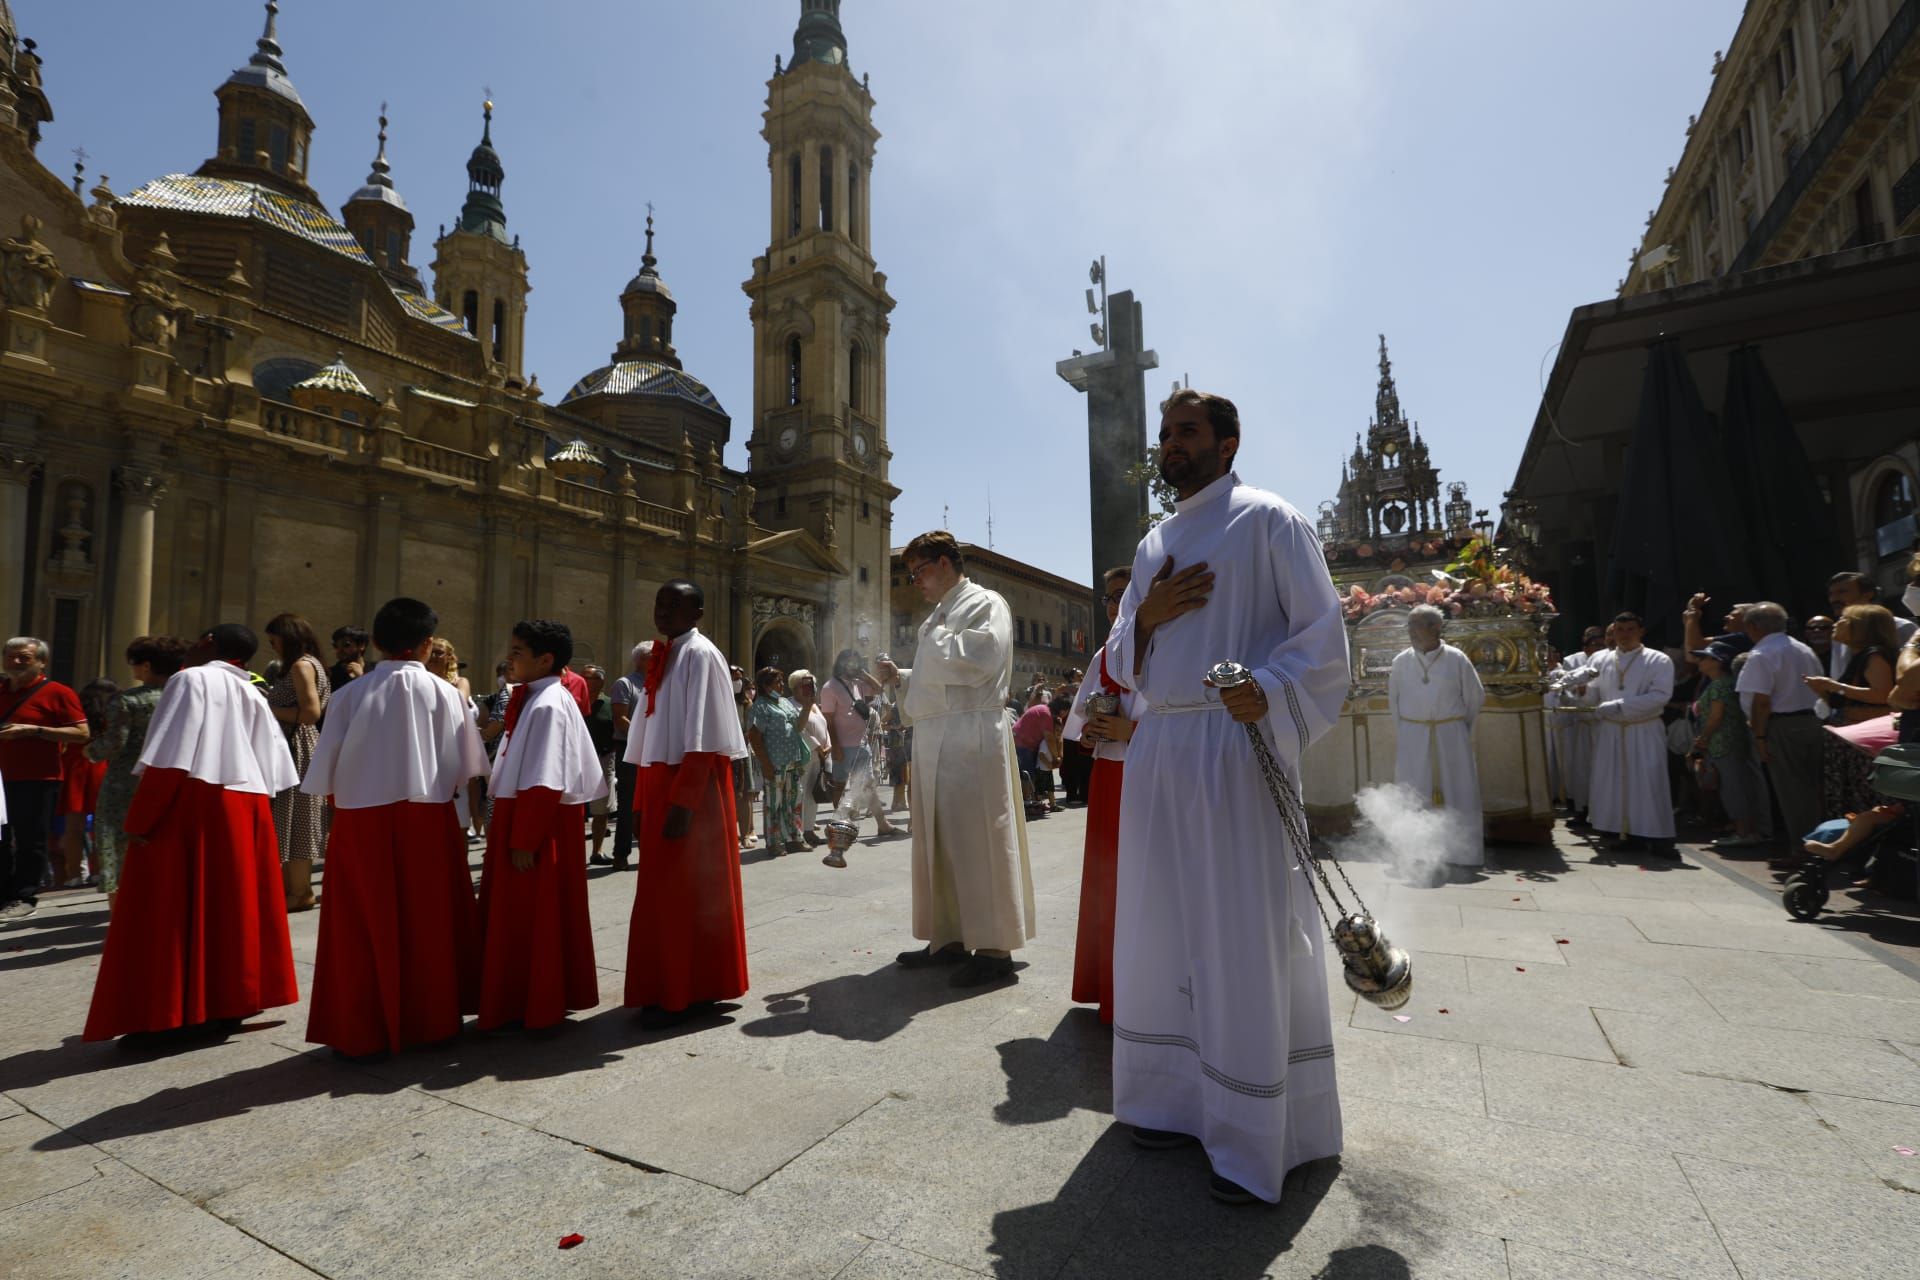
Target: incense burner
point(1380, 972)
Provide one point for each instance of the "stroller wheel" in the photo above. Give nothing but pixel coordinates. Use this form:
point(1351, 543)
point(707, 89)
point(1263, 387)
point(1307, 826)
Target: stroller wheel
point(1804, 899)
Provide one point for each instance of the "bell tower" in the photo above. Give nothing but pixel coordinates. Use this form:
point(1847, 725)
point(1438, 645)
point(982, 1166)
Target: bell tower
point(818, 450)
point(479, 272)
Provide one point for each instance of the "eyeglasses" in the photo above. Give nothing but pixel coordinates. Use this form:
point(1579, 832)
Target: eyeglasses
point(1114, 597)
point(914, 575)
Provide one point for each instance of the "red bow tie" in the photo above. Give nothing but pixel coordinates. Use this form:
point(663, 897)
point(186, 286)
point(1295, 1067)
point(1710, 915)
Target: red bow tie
point(1107, 683)
point(521, 692)
point(656, 669)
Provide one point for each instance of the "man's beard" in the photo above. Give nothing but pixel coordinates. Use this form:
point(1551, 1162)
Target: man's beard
point(1201, 465)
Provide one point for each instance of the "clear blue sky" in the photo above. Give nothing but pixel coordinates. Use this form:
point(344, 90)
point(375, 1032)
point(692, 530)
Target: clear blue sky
point(1277, 180)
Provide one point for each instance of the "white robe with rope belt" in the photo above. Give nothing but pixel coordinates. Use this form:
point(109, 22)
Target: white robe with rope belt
point(972, 883)
point(1570, 718)
point(1630, 795)
point(1435, 698)
point(1221, 1023)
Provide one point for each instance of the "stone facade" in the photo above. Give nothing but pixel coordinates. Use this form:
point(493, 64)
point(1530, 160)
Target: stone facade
point(1052, 616)
point(219, 401)
point(1809, 142)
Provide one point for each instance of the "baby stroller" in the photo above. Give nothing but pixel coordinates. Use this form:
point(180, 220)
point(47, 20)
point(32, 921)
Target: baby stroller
point(1887, 851)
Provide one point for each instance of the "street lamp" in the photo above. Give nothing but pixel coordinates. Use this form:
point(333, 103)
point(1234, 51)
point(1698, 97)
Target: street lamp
point(1459, 510)
point(1328, 526)
point(1482, 525)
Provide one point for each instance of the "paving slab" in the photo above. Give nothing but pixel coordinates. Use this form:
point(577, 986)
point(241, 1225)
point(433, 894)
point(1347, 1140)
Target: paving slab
point(1443, 1075)
point(1779, 1226)
point(1665, 1111)
point(1796, 1060)
point(1784, 938)
point(1862, 976)
point(1523, 985)
point(712, 1120)
point(1685, 961)
point(1444, 1009)
point(1876, 1131)
point(1531, 1262)
point(31, 1167)
point(1801, 1009)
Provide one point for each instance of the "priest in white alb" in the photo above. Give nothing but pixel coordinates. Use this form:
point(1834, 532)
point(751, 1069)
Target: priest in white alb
point(1221, 1026)
point(1631, 801)
point(972, 885)
point(1570, 717)
point(1435, 695)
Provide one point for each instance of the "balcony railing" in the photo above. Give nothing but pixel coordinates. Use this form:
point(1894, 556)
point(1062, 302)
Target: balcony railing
point(582, 497)
point(466, 468)
point(292, 423)
point(1826, 139)
point(1906, 196)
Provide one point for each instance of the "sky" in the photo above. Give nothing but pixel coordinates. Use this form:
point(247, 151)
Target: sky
point(1278, 182)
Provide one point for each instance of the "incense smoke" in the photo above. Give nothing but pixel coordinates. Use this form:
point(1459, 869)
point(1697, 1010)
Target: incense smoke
point(1397, 828)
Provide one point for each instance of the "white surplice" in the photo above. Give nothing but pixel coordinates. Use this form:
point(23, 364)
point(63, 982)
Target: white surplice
point(1435, 698)
point(549, 747)
point(398, 733)
point(1221, 1024)
point(1570, 717)
point(1630, 795)
point(972, 882)
point(693, 710)
point(1077, 718)
point(212, 724)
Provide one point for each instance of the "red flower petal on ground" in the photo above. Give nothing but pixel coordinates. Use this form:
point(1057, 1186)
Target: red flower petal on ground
point(567, 1242)
point(1446, 1011)
point(1563, 941)
point(1519, 968)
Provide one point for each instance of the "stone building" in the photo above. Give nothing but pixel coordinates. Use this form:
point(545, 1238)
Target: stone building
point(1809, 142)
point(218, 400)
point(1052, 616)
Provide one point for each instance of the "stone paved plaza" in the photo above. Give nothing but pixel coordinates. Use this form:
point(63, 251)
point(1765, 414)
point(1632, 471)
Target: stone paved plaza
point(1606, 1072)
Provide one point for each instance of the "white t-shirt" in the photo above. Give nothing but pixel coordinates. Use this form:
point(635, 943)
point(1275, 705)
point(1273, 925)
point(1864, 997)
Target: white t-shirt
point(1778, 666)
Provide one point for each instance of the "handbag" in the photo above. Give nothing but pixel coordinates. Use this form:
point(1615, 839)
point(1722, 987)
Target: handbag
point(1896, 771)
point(1706, 774)
point(826, 788)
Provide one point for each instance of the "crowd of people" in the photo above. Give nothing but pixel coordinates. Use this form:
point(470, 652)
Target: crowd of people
point(1763, 731)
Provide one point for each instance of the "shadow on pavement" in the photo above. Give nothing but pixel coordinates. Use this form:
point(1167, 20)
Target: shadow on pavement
point(863, 1006)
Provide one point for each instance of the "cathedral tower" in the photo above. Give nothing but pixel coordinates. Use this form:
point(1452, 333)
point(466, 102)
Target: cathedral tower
point(379, 218)
point(479, 273)
point(818, 447)
point(264, 126)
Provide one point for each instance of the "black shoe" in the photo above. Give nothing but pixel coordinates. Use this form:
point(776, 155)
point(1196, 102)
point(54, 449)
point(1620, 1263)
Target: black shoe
point(599, 860)
point(654, 1018)
point(622, 864)
point(794, 846)
point(812, 838)
point(510, 1028)
point(363, 1059)
point(1663, 850)
point(980, 971)
point(1227, 1191)
point(1578, 822)
point(1160, 1139)
point(926, 957)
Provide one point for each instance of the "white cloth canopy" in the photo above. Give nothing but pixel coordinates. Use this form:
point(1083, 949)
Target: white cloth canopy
point(213, 724)
point(694, 709)
point(549, 746)
point(972, 882)
point(397, 733)
point(1221, 1025)
point(1077, 718)
point(1435, 699)
point(1630, 795)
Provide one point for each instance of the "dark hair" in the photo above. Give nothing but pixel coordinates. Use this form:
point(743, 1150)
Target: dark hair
point(543, 636)
point(846, 662)
point(165, 654)
point(1595, 632)
point(403, 623)
point(1852, 578)
point(1060, 705)
point(765, 678)
point(1634, 618)
point(94, 697)
point(1222, 416)
point(233, 641)
point(688, 587)
point(352, 634)
point(1123, 572)
point(936, 544)
point(296, 633)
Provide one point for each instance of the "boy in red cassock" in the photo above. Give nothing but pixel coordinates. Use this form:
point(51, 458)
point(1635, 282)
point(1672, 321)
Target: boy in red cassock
point(537, 960)
point(687, 944)
point(399, 958)
point(199, 931)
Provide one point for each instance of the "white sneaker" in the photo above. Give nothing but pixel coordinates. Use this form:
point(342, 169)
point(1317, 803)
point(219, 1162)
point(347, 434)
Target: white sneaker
point(17, 911)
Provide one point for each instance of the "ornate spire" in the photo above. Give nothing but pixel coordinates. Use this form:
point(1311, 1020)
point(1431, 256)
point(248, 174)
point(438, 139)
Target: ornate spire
point(267, 51)
point(1387, 402)
point(649, 263)
point(381, 169)
point(483, 212)
point(819, 38)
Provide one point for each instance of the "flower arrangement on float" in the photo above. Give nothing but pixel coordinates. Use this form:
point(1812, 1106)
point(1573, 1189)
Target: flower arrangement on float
point(1478, 584)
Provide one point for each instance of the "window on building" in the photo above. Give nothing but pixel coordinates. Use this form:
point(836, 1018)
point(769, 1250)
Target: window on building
point(299, 154)
point(244, 148)
point(826, 188)
point(793, 194)
point(1709, 203)
point(1019, 630)
point(1049, 635)
point(855, 373)
point(470, 312)
point(499, 330)
point(780, 505)
point(1893, 515)
point(863, 575)
point(853, 203)
point(1786, 61)
point(793, 370)
point(277, 147)
point(646, 331)
point(866, 511)
point(666, 331)
point(1865, 228)
point(396, 254)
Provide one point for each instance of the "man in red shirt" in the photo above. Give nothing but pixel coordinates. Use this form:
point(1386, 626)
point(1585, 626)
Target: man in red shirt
point(37, 717)
point(1040, 724)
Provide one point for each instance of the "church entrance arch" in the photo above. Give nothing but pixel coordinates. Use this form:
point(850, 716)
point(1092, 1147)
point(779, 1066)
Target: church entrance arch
point(785, 645)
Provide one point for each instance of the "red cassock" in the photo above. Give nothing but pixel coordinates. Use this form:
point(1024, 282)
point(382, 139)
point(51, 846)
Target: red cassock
point(80, 780)
point(1093, 946)
point(199, 929)
point(687, 942)
point(538, 955)
point(399, 957)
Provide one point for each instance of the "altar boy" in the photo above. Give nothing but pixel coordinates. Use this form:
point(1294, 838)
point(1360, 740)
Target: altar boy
point(399, 957)
point(537, 960)
point(687, 944)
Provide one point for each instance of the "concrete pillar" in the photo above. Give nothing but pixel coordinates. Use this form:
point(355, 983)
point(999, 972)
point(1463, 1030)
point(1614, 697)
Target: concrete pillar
point(17, 470)
point(140, 492)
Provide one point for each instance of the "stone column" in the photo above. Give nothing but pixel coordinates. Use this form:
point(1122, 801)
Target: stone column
point(140, 492)
point(741, 651)
point(17, 469)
